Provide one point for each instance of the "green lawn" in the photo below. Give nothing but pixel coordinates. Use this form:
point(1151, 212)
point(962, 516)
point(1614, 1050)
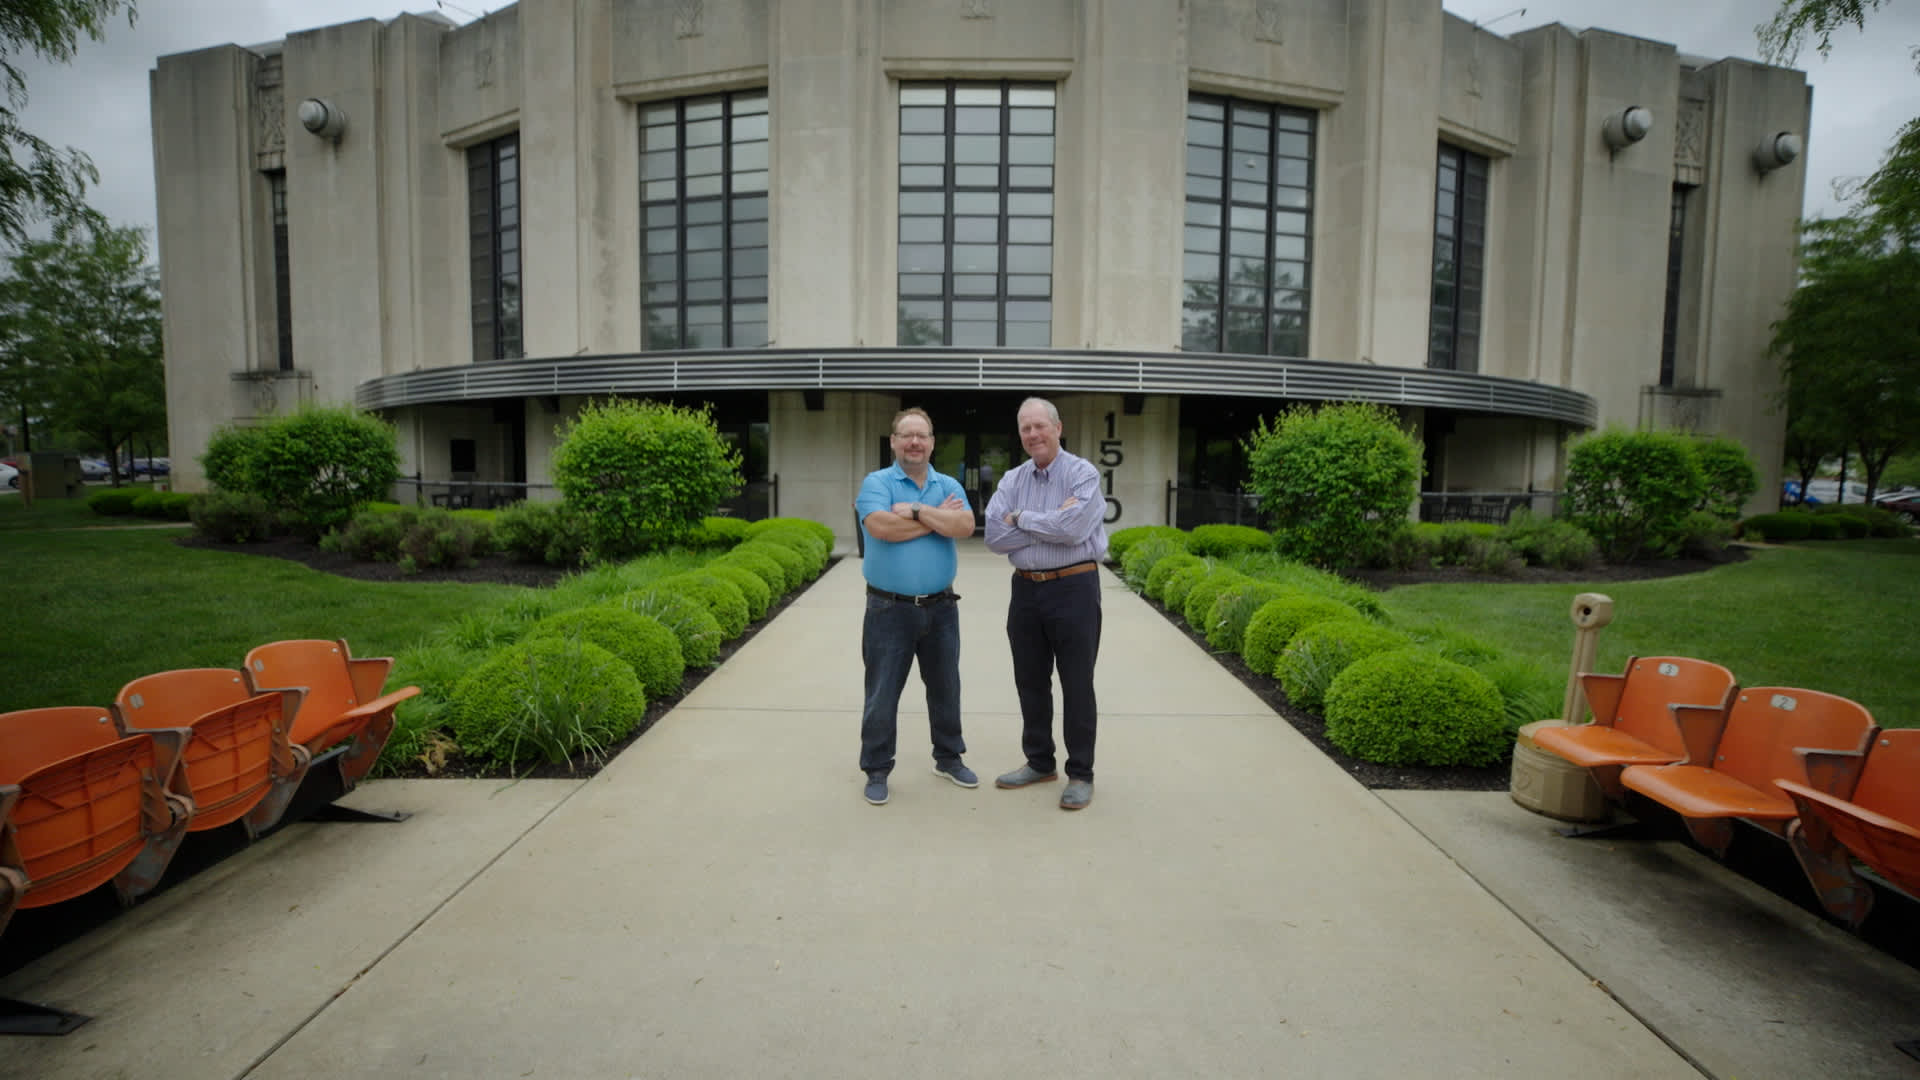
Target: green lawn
point(15, 514)
point(89, 609)
point(1843, 617)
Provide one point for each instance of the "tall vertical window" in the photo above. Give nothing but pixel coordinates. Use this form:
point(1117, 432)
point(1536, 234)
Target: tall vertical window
point(1459, 260)
point(493, 220)
point(1249, 243)
point(703, 170)
point(1676, 248)
point(976, 214)
point(282, 271)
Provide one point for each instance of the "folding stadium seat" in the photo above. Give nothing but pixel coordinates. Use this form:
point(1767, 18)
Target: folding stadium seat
point(1634, 715)
point(342, 703)
point(241, 764)
point(1878, 822)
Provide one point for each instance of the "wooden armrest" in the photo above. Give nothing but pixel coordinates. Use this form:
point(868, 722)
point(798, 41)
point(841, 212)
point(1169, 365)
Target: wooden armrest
point(1700, 729)
point(1603, 696)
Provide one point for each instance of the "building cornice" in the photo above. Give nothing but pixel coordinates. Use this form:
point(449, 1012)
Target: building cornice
point(1017, 370)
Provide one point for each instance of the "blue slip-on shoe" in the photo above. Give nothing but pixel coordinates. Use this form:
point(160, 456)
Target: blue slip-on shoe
point(1024, 775)
point(1076, 795)
point(957, 773)
point(877, 790)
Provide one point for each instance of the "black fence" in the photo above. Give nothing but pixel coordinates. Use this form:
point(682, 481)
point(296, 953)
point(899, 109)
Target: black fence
point(757, 500)
point(1187, 507)
point(1485, 507)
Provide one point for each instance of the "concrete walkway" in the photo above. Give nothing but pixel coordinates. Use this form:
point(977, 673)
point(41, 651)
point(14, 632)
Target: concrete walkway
point(721, 902)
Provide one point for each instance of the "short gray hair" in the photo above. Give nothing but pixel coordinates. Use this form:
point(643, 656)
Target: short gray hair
point(1053, 414)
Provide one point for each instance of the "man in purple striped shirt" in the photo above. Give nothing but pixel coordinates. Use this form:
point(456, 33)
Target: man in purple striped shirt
point(1048, 517)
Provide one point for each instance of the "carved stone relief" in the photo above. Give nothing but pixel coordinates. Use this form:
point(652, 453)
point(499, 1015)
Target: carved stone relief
point(1265, 24)
point(687, 17)
point(483, 69)
point(1690, 133)
point(976, 9)
point(269, 108)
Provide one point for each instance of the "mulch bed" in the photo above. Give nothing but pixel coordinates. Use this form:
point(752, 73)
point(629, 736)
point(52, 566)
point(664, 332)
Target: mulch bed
point(500, 570)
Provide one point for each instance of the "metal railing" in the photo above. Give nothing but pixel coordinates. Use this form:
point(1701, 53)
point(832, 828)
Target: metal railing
point(1485, 507)
point(1187, 507)
point(756, 500)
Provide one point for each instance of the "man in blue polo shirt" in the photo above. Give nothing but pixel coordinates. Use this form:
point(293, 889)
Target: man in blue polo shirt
point(911, 515)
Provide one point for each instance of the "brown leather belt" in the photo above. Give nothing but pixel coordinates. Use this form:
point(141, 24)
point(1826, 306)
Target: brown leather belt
point(1065, 571)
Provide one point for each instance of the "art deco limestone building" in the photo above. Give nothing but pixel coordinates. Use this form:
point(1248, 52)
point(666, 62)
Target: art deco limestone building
point(1170, 216)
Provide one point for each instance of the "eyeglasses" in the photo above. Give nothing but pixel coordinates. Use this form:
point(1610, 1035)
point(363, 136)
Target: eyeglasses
point(927, 435)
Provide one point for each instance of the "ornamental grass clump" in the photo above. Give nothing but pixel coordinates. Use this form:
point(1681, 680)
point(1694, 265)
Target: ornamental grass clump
point(1320, 652)
point(419, 721)
point(546, 700)
point(688, 618)
point(1165, 568)
point(1181, 582)
point(1409, 707)
point(1227, 622)
point(639, 641)
point(1274, 623)
point(1142, 557)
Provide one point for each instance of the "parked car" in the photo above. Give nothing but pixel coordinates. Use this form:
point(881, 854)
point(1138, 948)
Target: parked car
point(1828, 491)
point(94, 469)
point(1904, 503)
point(9, 475)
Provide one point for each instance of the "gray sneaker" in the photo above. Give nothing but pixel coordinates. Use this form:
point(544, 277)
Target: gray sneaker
point(957, 773)
point(1076, 795)
point(877, 789)
point(1024, 775)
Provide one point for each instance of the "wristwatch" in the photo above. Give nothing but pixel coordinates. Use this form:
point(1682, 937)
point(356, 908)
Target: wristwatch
point(916, 511)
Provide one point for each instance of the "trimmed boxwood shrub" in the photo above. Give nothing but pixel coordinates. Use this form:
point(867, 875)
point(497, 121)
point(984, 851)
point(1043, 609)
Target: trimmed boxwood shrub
point(813, 554)
point(1198, 607)
point(542, 532)
point(1122, 541)
point(755, 591)
point(1825, 527)
point(721, 596)
point(761, 565)
point(1409, 707)
point(640, 641)
point(1545, 541)
point(688, 618)
point(1319, 653)
point(757, 529)
point(546, 700)
point(1227, 622)
point(1275, 622)
point(231, 518)
point(1141, 558)
point(793, 565)
point(114, 502)
point(1632, 490)
point(167, 505)
point(1224, 540)
point(1776, 527)
point(1181, 582)
point(1163, 571)
point(719, 532)
point(643, 473)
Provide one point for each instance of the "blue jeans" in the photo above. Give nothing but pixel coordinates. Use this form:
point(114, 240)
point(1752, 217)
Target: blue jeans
point(893, 635)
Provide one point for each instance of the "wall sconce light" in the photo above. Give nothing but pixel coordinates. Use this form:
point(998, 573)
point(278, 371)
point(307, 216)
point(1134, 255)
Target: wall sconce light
point(1776, 151)
point(1626, 127)
point(323, 118)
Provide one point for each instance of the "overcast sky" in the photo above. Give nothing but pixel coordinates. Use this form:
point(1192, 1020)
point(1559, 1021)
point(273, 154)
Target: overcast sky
point(1863, 92)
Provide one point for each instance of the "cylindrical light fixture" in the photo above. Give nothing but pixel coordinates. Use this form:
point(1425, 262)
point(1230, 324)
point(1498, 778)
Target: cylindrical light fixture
point(1626, 127)
point(1775, 151)
point(323, 118)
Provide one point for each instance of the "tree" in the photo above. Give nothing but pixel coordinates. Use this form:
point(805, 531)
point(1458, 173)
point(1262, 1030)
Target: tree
point(1337, 480)
point(82, 315)
point(35, 178)
point(1782, 36)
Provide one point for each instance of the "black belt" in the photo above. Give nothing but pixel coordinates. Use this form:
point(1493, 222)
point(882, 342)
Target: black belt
point(923, 600)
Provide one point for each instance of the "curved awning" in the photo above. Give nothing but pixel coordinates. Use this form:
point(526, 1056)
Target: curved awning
point(1042, 371)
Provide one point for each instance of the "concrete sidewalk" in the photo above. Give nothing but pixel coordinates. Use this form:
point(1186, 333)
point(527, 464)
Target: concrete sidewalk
point(720, 901)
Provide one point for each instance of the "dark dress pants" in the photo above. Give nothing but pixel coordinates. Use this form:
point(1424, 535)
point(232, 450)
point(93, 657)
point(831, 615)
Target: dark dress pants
point(1055, 625)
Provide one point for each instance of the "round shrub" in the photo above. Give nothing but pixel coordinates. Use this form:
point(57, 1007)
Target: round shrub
point(1275, 622)
point(813, 553)
point(1853, 526)
point(174, 506)
point(1141, 557)
point(1121, 541)
point(1319, 653)
point(1787, 525)
point(719, 532)
point(1335, 481)
point(1409, 707)
point(231, 518)
point(1632, 490)
point(1163, 571)
point(643, 473)
point(1199, 603)
point(419, 722)
point(1181, 582)
point(228, 462)
point(721, 597)
point(1727, 476)
point(1227, 622)
point(761, 565)
point(542, 532)
point(114, 502)
point(546, 700)
point(317, 465)
point(639, 641)
point(793, 565)
point(688, 618)
point(1221, 541)
point(1825, 527)
point(754, 590)
point(1546, 541)
point(812, 528)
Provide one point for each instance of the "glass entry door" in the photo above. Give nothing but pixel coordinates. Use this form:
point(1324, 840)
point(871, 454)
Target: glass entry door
point(978, 460)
